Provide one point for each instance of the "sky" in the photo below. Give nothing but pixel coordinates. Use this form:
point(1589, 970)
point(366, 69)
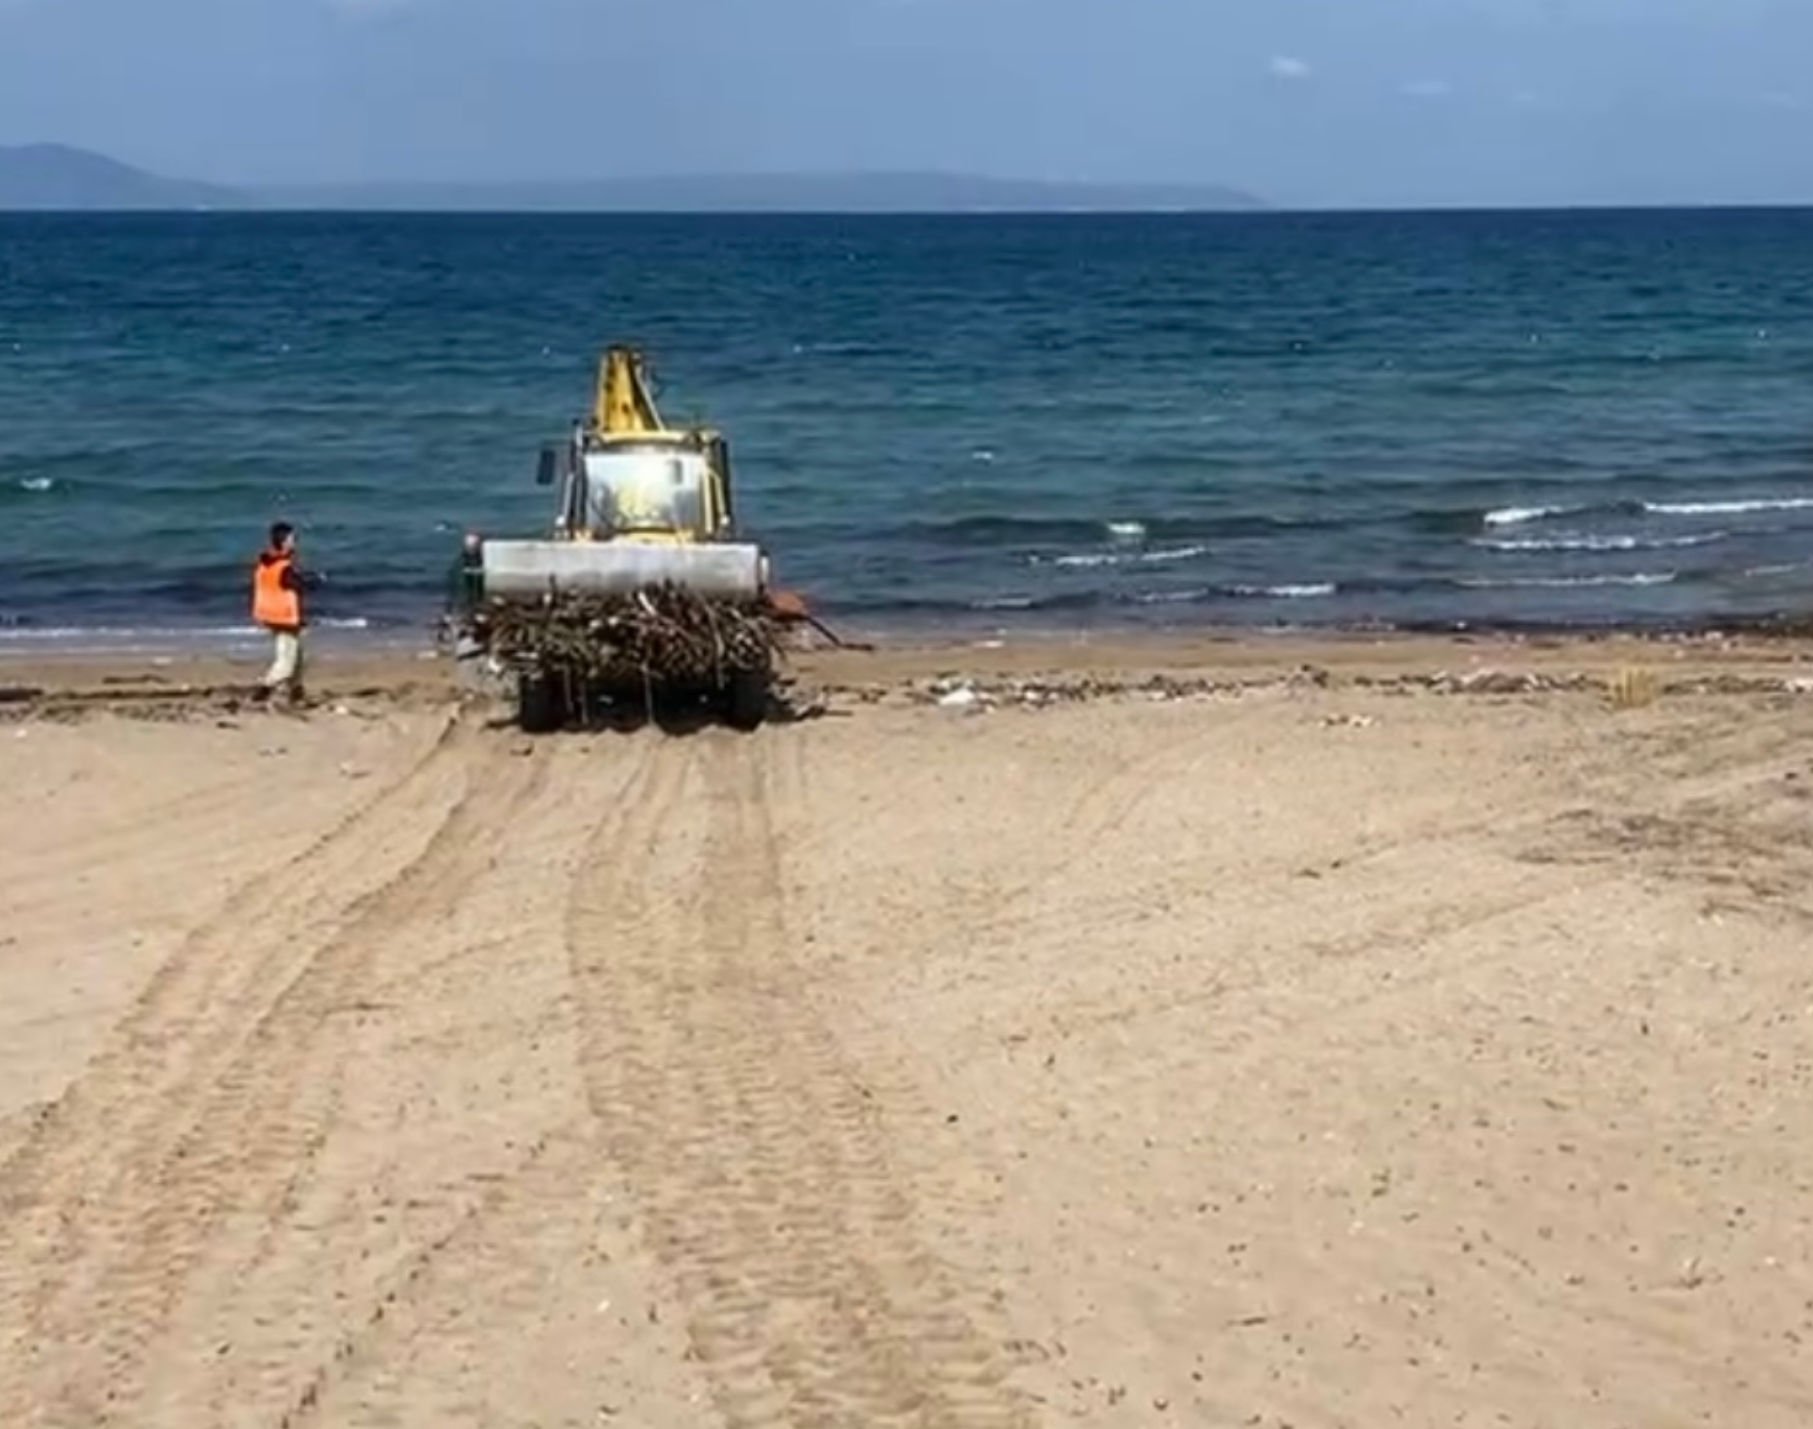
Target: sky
point(1317, 103)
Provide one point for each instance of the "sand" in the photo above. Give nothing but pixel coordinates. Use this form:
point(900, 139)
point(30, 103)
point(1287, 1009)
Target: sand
point(1309, 1050)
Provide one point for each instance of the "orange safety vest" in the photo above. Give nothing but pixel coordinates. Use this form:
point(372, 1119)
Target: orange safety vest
point(274, 606)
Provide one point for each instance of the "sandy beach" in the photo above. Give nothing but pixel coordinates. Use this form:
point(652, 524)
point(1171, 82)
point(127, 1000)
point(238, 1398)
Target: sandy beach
point(1207, 1032)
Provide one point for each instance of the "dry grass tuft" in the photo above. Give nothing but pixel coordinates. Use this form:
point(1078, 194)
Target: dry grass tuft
point(1632, 689)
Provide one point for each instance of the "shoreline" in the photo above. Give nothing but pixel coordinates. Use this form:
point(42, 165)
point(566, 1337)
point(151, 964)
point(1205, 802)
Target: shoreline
point(28, 635)
point(1063, 663)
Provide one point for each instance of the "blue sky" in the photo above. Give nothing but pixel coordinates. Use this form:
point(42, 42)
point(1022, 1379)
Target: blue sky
point(1317, 102)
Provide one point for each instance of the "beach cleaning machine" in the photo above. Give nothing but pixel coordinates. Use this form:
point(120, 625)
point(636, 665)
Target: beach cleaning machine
point(643, 587)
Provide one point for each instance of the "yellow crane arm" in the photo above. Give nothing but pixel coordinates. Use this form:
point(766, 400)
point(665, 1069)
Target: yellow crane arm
point(623, 404)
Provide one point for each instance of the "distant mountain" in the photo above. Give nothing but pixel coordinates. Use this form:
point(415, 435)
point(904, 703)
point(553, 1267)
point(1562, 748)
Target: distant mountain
point(53, 176)
point(772, 193)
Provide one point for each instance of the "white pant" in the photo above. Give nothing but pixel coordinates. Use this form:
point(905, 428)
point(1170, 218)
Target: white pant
point(286, 659)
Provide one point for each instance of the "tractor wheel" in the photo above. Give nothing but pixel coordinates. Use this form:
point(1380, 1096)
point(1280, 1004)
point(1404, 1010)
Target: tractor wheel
point(540, 704)
point(746, 699)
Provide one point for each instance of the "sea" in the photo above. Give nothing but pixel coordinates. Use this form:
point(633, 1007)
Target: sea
point(966, 423)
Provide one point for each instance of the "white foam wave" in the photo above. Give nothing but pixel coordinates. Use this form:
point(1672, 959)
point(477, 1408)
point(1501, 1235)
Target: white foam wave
point(1638, 578)
point(1600, 543)
point(1005, 602)
point(1523, 515)
point(53, 634)
point(1314, 590)
point(1092, 559)
point(36, 483)
point(1729, 508)
point(1127, 530)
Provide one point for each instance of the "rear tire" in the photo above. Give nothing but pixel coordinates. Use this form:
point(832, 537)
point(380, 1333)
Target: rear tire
point(746, 699)
point(540, 704)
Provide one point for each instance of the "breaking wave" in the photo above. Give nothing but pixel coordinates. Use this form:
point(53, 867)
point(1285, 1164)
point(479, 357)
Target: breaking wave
point(1314, 590)
point(1729, 508)
point(1599, 543)
point(24, 632)
point(1637, 578)
point(1736, 506)
point(1091, 559)
point(1523, 515)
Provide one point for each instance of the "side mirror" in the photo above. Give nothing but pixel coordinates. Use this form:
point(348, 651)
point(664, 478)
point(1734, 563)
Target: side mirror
point(548, 467)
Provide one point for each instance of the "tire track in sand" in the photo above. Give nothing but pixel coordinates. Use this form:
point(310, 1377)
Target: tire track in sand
point(756, 1162)
point(160, 1042)
point(125, 1213)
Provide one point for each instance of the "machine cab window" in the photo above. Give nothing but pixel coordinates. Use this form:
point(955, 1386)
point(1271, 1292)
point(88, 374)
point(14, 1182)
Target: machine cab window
point(649, 489)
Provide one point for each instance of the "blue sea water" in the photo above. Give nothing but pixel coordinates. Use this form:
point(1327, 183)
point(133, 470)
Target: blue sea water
point(1551, 418)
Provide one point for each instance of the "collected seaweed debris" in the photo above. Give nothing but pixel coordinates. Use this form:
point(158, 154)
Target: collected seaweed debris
point(663, 635)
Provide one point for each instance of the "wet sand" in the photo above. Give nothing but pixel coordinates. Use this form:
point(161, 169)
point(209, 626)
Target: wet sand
point(1213, 1031)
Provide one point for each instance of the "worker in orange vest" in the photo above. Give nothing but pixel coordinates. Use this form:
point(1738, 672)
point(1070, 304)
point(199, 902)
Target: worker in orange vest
point(278, 584)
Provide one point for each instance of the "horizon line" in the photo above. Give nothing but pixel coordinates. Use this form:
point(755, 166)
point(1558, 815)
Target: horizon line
point(1261, 211)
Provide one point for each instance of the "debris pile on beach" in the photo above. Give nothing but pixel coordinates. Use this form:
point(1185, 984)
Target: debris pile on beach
point(664, 634)
point(966, 693)
point(975, 695)
point(1489, 682)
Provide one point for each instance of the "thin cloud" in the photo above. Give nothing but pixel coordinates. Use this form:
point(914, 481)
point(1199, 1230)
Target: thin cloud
point(1427, 89)
point(1290, 67)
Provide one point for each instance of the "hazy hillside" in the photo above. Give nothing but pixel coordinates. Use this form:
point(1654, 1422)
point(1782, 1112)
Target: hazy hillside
point(773, 193)
point(53, 176)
